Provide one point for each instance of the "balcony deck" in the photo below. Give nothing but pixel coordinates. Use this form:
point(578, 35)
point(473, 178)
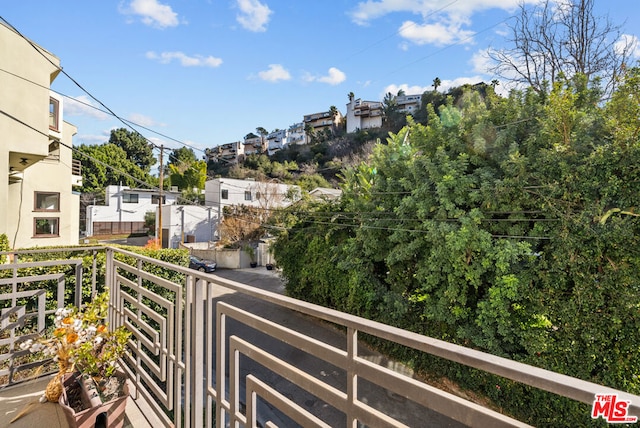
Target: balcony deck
point(209, 350)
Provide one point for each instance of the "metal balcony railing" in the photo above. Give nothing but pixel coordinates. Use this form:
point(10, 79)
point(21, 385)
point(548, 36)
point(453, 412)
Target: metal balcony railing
point(209, 351)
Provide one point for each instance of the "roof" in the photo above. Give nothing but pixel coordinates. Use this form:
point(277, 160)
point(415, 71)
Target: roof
point(325, 193)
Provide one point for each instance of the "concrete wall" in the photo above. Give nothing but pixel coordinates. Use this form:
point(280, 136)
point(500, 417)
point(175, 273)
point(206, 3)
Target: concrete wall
point(228, 258)
point(189, 222)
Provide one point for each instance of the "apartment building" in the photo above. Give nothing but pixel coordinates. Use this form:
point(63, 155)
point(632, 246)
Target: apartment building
point(276, 141)
point(363, 114)
point(38, 206)
point(409, 104)
point(323, 120)
point(296, 134)
point(226, 153)
point(254, 144)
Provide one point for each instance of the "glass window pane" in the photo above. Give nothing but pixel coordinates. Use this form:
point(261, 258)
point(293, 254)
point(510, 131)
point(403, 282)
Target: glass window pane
point(47, 201)
point(46, 226)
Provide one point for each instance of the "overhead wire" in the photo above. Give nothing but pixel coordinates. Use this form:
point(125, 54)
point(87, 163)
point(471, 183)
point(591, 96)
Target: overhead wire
point(130, 123)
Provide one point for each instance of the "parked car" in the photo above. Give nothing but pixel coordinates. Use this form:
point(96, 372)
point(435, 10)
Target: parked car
point(201, 264)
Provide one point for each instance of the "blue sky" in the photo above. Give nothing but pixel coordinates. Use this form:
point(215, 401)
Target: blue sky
point(207, 72)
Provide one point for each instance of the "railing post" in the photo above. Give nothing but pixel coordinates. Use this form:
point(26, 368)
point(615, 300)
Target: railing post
point(352, 380)
point(197, 353)
point(78, 301)
point(109, 283)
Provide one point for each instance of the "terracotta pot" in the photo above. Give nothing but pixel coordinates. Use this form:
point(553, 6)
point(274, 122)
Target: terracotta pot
point(95, 413)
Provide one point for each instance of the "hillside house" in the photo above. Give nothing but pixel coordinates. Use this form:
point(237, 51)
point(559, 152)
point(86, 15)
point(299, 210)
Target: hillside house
point(363, 114)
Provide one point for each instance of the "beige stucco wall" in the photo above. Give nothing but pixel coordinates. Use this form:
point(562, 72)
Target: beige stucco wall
point(25, 92)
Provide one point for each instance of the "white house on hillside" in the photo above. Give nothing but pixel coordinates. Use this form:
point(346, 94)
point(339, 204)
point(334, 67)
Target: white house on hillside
point(363, 114)
point(276, 141)
point(409, 104)
point(125, 209)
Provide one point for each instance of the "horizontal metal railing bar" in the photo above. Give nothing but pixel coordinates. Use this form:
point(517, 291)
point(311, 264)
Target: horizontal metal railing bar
point(450, 405)
point(312, 346)
point(34, 278)
point(76, 249)
point(44, 263)
point(302, 379)
point(149, 276)
point(255, 386)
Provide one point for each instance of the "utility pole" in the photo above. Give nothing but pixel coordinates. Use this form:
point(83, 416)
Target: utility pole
point(159, 235)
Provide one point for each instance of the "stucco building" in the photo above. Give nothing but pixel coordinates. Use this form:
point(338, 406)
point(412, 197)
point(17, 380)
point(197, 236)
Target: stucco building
point(38, 206)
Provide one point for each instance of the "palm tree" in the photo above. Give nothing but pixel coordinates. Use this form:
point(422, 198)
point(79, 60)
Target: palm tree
point(263, 133)
point(436, 82)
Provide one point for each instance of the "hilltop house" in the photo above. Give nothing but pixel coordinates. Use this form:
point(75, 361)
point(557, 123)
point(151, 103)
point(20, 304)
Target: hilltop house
point(319, 122)
point(39, 206)
point(363, 114)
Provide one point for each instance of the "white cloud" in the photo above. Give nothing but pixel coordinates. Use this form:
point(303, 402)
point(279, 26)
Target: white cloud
point(143, 120)
point(369, 10)
point(447, 84)
point(83, 106)
point(335, 77)
point(253, 16)
point(443, 21)
point(408, 90)
point(184, 59)
point(275, 73)
point(438, 34)
point(152, 13)
point(630, 44)
point(90, 139)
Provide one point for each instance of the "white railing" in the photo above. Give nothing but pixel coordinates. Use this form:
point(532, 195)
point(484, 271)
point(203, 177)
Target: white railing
point(209, 351)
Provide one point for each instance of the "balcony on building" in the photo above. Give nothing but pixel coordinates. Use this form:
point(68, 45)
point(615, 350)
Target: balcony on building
point(207, 351)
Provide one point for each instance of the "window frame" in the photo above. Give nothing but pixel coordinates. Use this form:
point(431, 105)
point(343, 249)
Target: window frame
point(156, 198)
point(126, 198)
point(224, 193)
point(36, 208)
point(46, 235)
point(54, 114)
point(247, 195)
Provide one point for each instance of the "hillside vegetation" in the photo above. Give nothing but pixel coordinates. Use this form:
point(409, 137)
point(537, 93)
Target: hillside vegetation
point(508, 225)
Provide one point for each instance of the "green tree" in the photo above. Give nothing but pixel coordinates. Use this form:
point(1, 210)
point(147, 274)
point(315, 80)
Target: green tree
point(188, 173)
point(108, 164)
point(507, 225)
point(138, 149)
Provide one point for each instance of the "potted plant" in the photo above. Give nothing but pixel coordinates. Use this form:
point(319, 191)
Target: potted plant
point(88, 385)
point(251, 252)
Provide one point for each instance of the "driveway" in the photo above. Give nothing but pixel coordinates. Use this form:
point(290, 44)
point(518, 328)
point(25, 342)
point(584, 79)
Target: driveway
point(376, 396)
